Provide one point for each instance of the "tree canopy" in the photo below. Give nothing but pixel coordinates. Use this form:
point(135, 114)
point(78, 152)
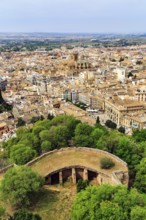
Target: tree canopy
point(140, 180)
point(45, 135)
point(111, 124)
point(19, 185)
point(21, 154)
point(107, 202)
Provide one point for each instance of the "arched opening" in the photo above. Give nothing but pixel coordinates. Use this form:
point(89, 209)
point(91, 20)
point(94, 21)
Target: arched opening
point(71, 175)
point(92, 176)
point(66, 174)
point(47, 180)
point(79, 174)
point(55, 178)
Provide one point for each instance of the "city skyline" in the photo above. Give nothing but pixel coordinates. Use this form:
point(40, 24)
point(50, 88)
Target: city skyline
point(112, 16)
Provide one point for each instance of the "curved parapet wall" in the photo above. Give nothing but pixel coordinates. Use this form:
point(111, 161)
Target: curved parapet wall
point(80, 160)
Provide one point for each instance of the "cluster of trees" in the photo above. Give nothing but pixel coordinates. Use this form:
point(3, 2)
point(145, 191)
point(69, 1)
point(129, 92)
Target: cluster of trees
point(64, 131)
point(25, 46)
point(19, 188)
point(45, 135)
point(34, 119)
point(109, 202)
point(50, 134)
point(28, 45)
point(113, 125)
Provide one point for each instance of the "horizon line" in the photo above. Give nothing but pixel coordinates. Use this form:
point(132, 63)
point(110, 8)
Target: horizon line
point(74, 32)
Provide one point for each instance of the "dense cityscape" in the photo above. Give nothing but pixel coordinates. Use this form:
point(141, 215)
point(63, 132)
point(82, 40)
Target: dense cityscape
point(72, 110)
point(72, 99)
point(108, 82)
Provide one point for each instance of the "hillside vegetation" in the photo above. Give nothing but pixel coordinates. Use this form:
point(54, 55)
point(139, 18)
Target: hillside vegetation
point(66, 131)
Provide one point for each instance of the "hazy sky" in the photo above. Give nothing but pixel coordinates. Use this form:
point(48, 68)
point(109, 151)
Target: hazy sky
point(122, 16)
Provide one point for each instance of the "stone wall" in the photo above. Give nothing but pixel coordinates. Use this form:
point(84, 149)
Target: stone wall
point(78, 148)
point(3, 170)
point(117, 177)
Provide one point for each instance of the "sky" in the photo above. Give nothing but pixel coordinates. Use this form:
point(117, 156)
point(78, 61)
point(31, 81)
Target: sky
point(73, 16)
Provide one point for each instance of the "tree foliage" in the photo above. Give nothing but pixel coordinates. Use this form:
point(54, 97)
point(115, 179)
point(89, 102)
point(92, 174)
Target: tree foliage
point(123, 147)
point(36, 118)
point(2, 212)
point(83, 129)
point(121, 129)
point(24, 215)
point(19, 185)
point(97, 120)
point(82, 184)
point(106, 202)
point(20, 122)
point(83, 135)
point(46, 146)
point(58, 136)
point(45, 135)
point(139, 135)
point(21, 154)
point(138, 213)
point(111, 124)
point(140, 180)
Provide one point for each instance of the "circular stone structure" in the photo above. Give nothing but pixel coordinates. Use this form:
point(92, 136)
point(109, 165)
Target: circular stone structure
point(79, 163)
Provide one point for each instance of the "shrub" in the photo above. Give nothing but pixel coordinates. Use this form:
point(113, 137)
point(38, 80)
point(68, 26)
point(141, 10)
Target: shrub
point(106, 163)
point(111, 124)
point(82, 184)
point(121, 129)
point(20, 122)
